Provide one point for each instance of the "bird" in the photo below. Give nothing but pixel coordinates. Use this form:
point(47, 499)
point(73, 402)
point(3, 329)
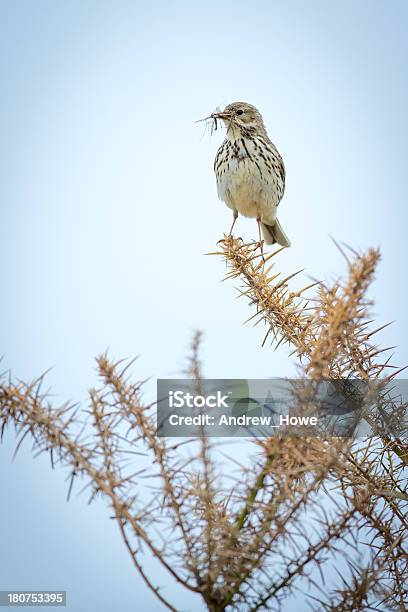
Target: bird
point(249, 170)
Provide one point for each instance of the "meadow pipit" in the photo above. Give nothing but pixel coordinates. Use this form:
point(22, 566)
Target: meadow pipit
point(250, 172)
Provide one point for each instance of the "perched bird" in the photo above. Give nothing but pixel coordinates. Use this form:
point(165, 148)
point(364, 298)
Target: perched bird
point(249, 170)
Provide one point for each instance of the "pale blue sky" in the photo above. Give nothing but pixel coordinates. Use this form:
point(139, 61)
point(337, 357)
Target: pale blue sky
point(109, 203)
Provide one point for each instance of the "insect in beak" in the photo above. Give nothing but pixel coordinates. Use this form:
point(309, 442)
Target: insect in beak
point(225, 116)
point(214, 117)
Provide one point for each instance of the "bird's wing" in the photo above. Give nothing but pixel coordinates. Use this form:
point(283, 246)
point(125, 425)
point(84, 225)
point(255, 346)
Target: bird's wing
point(281, 167)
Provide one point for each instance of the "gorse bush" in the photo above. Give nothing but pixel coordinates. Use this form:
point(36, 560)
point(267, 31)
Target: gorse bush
point(283, 521)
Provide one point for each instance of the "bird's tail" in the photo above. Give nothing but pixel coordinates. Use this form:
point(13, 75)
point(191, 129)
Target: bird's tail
point(274, 233)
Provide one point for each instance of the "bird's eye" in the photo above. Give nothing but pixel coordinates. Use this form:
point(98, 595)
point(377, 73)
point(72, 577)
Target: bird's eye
point(240, 112)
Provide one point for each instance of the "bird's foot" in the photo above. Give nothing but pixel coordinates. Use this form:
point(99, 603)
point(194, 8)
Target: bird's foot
point(229, 238)
point(260, 245)
point(224, 240)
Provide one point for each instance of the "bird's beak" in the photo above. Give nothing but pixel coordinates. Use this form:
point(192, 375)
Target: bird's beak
point(221, 115)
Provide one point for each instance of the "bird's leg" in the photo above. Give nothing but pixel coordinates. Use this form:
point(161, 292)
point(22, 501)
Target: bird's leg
point(261, 242)
point(228, 237)
point(233, 222)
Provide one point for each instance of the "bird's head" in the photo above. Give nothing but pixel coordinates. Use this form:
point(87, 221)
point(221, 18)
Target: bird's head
point(240, 116)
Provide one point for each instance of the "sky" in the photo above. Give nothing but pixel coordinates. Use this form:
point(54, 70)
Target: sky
point(109, 206)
